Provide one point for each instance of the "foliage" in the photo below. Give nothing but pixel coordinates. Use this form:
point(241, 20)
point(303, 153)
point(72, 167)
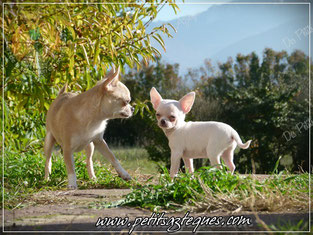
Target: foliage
point(208, 187)
point(283, 226)
point(263, 101)
point(24, 174)
point(46, 45)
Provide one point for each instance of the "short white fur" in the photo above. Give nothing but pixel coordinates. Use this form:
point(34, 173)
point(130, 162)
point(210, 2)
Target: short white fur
point(189, 140)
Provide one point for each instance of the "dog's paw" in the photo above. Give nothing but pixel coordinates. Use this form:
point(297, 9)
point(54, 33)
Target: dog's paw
point(94, 178)
point(72, 187)
point(47, 178)
point(72, 181)
point(125, 176)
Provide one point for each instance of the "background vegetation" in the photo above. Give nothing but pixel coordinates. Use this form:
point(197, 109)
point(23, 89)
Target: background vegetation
point(48, 45)
point(264, 99)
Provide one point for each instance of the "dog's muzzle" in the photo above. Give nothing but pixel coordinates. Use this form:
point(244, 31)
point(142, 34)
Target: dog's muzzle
point(163, 123)
point(128, 113)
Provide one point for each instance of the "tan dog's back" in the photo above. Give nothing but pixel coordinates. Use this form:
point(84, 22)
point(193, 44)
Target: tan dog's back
point(55, 120)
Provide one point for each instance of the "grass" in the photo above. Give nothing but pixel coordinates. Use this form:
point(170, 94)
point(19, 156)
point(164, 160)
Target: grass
point(212, 190)
point(24, 175)
point(209, 190)
point(133, 159)
point(283, 226)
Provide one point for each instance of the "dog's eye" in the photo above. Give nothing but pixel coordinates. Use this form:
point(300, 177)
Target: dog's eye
point(125, 102)
point(172, 118)
point(158, 115)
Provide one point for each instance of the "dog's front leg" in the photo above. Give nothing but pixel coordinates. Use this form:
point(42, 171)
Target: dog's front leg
point(175, 163)
point(103, 148)
point(70, 167)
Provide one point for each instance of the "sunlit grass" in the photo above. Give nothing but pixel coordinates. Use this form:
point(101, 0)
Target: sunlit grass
point(24, 175)
point(212, 190)
point(208, 190)
point(133, 159)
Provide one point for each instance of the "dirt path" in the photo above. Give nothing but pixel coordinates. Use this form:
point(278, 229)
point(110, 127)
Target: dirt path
point(80, 209)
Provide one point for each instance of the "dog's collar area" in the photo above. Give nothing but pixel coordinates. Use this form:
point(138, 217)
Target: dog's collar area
point(168, 132)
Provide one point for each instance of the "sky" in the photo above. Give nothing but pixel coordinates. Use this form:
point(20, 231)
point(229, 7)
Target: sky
point(217, 31)
point(188, 8)
point(191, 8)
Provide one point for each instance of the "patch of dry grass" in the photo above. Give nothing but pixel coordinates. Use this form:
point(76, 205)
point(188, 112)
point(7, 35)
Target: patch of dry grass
point(212, 190)
point(253, 198)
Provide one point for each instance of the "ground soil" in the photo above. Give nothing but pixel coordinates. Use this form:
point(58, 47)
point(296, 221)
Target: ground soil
point(79, 210)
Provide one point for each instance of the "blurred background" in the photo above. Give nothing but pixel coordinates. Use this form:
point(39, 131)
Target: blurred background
point(247, 62)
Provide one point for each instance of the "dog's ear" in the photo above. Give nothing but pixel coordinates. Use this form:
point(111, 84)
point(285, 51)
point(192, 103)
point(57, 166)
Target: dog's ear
point(155, 98)
point(187, 101)
point(112, 78)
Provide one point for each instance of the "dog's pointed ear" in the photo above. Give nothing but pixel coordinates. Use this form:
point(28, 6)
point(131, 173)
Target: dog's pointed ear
point(155, 98)
point(112, 78)
point(187, 101)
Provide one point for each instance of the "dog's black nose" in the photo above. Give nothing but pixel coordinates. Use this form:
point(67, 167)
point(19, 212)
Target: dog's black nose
point(162, 122)
point(132, 109)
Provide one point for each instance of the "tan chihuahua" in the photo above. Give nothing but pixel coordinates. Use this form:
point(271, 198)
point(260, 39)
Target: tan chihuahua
point(77, 122)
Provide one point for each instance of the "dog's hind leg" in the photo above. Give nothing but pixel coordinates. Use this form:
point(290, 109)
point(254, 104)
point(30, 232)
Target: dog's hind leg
point(89, 152)
point(48, 147)
point(228, 156)
point(70, 168)
point(214, 156)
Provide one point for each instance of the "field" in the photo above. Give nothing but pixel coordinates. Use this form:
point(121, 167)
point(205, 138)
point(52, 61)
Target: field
point(209, 191)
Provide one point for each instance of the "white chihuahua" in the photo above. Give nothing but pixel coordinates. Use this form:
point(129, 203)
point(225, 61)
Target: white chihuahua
point(190, 140)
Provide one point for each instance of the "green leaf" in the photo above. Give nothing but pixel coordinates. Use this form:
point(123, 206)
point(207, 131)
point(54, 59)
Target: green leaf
point(129, 31)
point(85, 54)
point(96, 52)
point(172, 27)
point(135, 16)
point(160, 41)
point(156, 51)
point(34, 34)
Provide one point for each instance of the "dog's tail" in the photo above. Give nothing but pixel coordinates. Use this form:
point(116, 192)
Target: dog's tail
point(64, 89)
point(236, 137)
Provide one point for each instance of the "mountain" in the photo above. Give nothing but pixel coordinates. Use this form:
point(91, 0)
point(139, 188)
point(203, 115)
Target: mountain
point(282, 37)
point(226, 30)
